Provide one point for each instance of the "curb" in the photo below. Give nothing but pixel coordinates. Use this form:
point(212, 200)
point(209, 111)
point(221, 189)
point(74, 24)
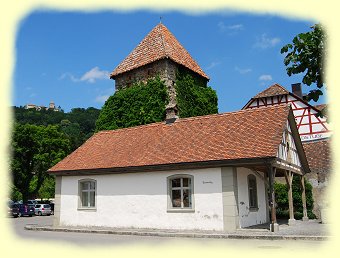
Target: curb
point(179, 234)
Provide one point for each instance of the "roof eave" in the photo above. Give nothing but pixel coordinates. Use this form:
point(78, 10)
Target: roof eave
point(170, 166)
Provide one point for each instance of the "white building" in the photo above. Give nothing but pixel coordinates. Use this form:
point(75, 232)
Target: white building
point(204, 173)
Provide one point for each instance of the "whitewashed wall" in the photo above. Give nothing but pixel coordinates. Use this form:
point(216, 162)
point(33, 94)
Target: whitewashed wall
point(247, 217)
point(139, 200)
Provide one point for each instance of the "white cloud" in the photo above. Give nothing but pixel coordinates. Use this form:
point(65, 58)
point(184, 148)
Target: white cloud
point(266, 42)
point(212, 65)
point(265, 77)
point(243, 70)
point(68, 75)
point(103, 95)
point(90, 76)
point(234, 27)
point(101, 98)
point(95, 74)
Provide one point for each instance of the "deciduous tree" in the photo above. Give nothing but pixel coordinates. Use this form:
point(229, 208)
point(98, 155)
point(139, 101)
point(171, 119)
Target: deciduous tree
point(34, 150)
point(307, 55)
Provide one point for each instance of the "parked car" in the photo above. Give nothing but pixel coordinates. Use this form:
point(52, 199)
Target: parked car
point(42, 209)
point(47, 202)
point(32, 202)
point(26, 210)
point(13, 210)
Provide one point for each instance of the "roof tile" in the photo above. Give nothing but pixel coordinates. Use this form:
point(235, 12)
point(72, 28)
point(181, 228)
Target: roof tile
point(251, 133)
point(274, 90)
point(158, 44)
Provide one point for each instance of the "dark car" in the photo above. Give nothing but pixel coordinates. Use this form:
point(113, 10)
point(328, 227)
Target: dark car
point(13, 210)
point(26, 210)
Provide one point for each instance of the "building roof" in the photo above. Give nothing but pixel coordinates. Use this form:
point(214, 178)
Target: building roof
point(245, 134)
point(318, 154)
point(320, 107)
point(160, 43)
point(274, 90)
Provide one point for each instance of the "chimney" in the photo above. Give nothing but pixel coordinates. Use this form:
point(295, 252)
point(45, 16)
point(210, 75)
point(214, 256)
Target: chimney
point(296, 89)
point(171, 114)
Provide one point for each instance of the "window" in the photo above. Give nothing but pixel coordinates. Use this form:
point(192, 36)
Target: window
point(180, 192)
point(87, 193)
point(252, 192)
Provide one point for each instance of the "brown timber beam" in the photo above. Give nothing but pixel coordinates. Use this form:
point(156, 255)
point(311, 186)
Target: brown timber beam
point(303, 197)
point(274, 227)
point(289, 181)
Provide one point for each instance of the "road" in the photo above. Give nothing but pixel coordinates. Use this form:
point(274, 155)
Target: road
point(93, 239)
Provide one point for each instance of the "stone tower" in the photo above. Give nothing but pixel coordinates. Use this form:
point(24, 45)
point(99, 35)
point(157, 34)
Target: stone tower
point(159, 53)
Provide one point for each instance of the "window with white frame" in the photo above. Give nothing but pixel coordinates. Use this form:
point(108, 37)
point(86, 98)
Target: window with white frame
point(252, 192)
point(180, 189)
point(87, 193)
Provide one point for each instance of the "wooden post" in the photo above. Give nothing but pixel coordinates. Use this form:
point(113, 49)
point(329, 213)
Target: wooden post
point(303, 196)
point(273, 225)
point(289, 180)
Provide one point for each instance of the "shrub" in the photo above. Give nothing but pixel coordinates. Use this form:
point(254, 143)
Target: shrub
point(281, 196)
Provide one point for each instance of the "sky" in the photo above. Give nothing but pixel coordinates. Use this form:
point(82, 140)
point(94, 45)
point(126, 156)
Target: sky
point(66, 57)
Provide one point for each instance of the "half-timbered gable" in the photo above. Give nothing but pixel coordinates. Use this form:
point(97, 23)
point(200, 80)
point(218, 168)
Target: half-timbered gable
point(310, 125)
point(287, 153)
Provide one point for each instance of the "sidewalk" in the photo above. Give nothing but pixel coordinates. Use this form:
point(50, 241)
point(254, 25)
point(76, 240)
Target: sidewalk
point(302, 230)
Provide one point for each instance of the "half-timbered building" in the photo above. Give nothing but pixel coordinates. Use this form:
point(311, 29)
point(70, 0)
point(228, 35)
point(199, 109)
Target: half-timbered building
point(314, 131)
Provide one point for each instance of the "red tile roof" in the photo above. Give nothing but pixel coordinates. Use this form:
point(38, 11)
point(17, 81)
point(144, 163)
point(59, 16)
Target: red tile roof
point(158, 44)
point(274, 90)
point(318, 154)
point(246, 134)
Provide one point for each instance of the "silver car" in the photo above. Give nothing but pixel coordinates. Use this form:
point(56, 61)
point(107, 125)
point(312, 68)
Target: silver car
point(42, 209)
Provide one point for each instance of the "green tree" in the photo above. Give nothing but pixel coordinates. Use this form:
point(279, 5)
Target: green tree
point(307, 55)
point(34, 150)
point(73, 132)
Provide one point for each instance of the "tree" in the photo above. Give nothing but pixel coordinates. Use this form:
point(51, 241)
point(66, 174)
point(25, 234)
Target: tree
point(307, 55)
point(34, 150)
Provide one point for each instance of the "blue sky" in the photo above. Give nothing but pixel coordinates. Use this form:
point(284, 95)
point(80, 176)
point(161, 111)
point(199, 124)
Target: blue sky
point(67, 56)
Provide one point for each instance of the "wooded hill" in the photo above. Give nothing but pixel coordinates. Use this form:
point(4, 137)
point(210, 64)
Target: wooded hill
point(78, 124)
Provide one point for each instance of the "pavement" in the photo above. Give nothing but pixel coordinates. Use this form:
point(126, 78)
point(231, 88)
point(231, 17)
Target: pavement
point(301, 230)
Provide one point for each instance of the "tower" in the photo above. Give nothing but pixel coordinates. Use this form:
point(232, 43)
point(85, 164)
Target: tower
point(159, 53)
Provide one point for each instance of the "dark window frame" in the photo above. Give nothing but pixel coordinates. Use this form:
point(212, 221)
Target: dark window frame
point(252, 192)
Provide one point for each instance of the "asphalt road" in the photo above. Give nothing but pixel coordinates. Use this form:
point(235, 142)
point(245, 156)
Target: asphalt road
point(92, 239)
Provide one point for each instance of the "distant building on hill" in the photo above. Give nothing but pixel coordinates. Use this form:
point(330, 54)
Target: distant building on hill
point(51, 106)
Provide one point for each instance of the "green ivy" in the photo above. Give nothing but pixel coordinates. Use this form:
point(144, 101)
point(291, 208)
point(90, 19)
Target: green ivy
point(194, 97)
point(137, 105)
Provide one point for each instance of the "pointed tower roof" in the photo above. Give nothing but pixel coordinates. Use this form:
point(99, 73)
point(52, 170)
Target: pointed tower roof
point(158, 44)
point(274, 90)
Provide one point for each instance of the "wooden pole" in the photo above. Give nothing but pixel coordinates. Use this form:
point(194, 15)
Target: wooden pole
point(289, 180)
point(303, 196)
point(273, 225)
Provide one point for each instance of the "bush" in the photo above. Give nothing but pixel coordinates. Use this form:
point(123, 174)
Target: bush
point(281, 196)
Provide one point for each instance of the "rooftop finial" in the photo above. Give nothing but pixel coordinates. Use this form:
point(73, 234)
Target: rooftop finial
point(160, 19)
